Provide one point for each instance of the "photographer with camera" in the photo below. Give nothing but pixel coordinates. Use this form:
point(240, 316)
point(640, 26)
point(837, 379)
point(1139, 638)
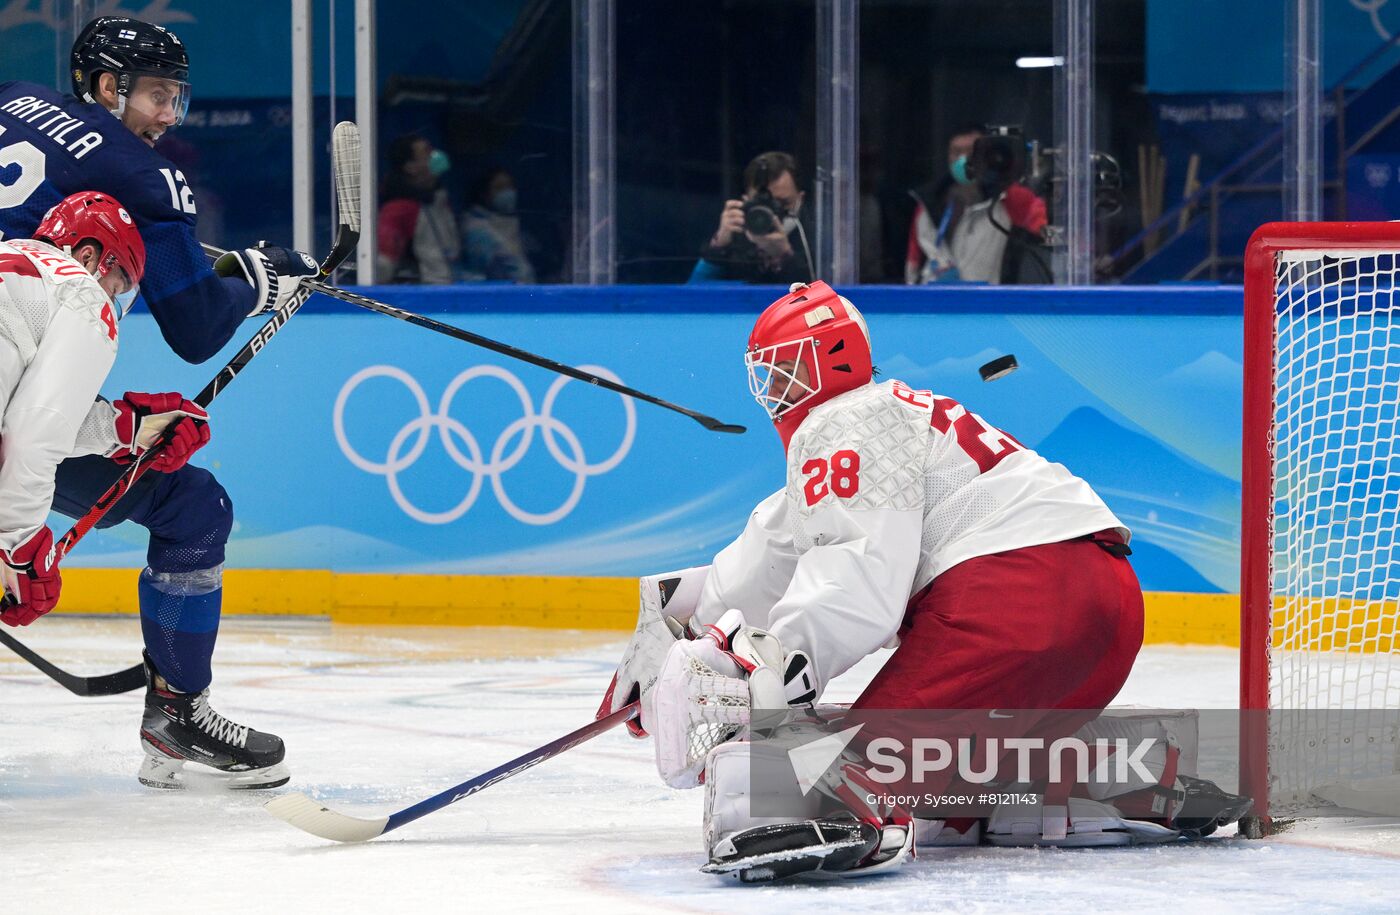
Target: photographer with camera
point(760, 238)
point(939, 206)
point(998, 239)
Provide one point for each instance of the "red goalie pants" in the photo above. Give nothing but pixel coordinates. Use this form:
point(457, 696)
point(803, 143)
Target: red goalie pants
point(1042, 627)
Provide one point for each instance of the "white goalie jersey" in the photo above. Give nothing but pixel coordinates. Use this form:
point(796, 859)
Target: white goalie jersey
point(58, 340)
point(887, 488)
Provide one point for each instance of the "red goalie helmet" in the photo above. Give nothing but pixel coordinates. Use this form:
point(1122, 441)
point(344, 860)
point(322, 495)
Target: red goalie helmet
point(99, 217)
point(805, 349)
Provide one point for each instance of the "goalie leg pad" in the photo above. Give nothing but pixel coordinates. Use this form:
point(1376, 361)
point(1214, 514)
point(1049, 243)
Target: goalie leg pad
point(953, 833)
point(1086, 824)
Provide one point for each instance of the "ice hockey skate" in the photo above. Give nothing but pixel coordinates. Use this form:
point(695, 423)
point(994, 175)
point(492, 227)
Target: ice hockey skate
point(187, 742)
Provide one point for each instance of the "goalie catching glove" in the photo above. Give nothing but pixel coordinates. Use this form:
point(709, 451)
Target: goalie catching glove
point(141, 420)
point(31, 578)
point(274, 273)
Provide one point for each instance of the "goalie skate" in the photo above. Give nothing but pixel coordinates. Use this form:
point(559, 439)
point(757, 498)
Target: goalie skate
point(781, 850)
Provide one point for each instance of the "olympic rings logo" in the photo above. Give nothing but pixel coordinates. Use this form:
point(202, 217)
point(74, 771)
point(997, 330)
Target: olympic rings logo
point(465, 451)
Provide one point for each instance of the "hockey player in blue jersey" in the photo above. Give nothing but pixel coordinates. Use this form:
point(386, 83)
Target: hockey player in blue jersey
point(131, 84)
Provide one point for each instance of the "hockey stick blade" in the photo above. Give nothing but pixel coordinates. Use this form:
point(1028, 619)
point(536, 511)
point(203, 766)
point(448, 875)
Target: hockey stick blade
point(319, 820)
point(310, 816)
point(123, 681)
point(505, 349)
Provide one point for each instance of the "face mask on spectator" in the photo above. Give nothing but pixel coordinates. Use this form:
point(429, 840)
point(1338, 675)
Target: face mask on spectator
point(438, 163)
point(958, 169)
point(503, 201)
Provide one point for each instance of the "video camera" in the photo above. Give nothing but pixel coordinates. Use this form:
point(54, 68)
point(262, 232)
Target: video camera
point(998, 159)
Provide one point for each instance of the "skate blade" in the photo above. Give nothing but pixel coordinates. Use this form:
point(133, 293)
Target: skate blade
point(181, 774)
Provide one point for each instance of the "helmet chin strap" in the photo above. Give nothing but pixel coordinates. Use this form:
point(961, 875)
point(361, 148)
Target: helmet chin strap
point(116, 112)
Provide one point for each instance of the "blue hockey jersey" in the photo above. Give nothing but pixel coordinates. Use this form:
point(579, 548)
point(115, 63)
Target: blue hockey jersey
point(53, 145)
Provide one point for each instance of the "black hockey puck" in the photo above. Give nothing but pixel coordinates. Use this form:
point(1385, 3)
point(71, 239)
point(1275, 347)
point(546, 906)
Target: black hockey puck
point(999, 367)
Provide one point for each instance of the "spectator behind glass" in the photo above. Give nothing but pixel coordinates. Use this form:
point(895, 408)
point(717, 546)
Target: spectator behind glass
point(991, 234)
point(739, 252)
point(418, 240)
point(939, 207)
point(495, 246)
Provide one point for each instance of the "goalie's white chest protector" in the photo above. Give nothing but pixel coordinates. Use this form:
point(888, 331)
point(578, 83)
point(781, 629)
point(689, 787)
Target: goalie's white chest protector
point(887, 488)
point(978, 489)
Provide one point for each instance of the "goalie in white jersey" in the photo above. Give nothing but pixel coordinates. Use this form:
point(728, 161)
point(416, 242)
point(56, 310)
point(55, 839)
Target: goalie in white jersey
point(61, 295)
point(906, 521)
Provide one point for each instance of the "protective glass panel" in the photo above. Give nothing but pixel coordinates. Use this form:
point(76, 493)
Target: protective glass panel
point(474, 143)
point(1201, 147)
point(230, 158)
point(934, 76)
point(702, 89)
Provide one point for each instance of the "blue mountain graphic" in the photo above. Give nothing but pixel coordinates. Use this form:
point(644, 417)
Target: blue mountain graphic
point(1184, 516)
point(1106, 454)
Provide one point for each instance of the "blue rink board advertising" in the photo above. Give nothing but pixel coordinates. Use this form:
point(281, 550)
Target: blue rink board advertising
point(358, 443)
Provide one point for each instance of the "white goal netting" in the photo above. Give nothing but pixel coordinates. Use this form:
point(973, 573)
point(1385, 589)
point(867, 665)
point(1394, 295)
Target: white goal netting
point(1334, 667)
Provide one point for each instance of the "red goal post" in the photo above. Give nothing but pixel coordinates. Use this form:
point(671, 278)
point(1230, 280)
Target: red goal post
point(1314, 601)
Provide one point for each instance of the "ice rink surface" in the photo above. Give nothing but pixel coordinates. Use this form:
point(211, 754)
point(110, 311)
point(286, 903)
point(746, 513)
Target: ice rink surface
point(376, 718)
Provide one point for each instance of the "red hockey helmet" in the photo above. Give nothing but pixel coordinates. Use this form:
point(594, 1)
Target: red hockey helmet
point(88, 215)
point(806, 348)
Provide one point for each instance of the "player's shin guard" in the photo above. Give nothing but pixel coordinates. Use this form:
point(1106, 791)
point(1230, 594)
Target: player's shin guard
point(180, 623)
point(809, 840)
point(180, 728)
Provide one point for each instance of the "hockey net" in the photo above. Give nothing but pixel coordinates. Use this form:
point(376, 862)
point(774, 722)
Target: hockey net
point(1320, 552)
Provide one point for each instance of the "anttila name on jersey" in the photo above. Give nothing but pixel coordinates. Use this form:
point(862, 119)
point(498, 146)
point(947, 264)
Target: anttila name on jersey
point(59, 125)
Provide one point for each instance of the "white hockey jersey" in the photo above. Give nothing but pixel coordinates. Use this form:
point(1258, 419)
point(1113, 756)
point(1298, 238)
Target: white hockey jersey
point(887, 488)
point(58, 340)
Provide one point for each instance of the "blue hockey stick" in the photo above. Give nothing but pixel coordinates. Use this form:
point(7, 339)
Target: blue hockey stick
point(319, 820)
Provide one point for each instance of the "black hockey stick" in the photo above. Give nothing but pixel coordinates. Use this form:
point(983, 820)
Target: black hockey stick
point(123, 681)
point(319, 820)
point(345, 149)
point(505, 349)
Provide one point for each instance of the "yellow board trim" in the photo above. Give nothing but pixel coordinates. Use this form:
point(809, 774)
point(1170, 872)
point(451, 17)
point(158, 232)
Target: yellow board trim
point(417, 600)
point(525, 600)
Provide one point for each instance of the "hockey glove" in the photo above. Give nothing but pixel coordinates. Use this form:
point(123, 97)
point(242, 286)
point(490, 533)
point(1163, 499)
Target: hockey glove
point(709, 689)
point(142, 418)
point(273, 272)
point(32, 582)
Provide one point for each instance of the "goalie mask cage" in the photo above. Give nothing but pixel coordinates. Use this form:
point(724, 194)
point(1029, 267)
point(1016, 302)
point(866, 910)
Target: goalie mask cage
point(1320, 544)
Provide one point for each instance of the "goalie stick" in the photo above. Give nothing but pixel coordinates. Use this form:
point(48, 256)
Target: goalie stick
point(313, 817)
point(345, 155)
point(505, 349)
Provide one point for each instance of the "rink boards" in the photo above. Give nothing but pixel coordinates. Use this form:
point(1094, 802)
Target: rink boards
point(359, 450)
